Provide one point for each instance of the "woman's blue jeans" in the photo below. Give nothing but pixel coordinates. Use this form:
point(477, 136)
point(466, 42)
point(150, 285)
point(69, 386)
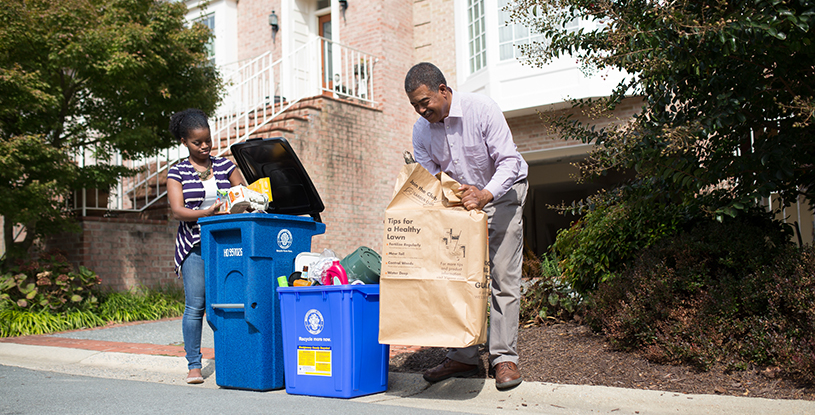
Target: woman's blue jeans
point(192, 270)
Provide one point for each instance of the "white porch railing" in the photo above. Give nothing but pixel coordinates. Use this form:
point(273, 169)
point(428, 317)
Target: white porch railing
point(347, 72)
point(258, 91)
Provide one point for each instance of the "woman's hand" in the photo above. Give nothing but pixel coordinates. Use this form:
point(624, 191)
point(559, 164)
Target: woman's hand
point(215, 209)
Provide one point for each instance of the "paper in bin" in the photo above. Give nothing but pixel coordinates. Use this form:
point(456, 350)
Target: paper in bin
point(239, 198)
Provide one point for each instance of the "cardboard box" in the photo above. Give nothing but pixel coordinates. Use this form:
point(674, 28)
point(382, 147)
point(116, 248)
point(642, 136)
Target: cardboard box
point(239, 198)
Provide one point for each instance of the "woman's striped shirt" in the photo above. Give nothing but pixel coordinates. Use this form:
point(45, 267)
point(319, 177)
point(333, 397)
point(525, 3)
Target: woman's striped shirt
point(189, 233)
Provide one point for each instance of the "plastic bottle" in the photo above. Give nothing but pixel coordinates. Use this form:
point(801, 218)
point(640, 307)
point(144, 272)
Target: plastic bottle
point(335, 275)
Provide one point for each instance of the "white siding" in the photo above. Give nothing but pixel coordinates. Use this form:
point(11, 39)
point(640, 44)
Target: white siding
point(520, 89)
point(226, 26)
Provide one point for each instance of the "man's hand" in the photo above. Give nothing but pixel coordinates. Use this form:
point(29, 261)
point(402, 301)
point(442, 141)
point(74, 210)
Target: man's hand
point(474, 198)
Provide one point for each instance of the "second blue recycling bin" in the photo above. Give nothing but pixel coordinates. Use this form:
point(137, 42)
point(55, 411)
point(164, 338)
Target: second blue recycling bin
point(330, 341)
point(243, 256)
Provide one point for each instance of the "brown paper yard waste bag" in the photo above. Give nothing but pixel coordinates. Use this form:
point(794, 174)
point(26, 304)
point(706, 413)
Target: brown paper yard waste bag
point(434, 278)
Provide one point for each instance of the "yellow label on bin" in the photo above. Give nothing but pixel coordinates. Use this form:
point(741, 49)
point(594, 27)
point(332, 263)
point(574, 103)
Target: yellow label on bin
point(314, 360)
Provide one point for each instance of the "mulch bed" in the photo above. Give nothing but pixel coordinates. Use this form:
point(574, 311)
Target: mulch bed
point(572, 354)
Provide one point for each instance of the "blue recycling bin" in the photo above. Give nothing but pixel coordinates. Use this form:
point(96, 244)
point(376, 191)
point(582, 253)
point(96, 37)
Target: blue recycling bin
point(243, 256)
point(331, 341)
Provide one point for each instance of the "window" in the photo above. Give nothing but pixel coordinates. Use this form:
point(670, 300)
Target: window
point(476, 28)
point(209, 21)
point(511, 35)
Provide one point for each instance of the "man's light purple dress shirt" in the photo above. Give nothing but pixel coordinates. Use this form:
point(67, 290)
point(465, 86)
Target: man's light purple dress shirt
point(473, 145)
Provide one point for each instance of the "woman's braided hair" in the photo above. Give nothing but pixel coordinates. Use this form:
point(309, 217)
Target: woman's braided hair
point(182, 122)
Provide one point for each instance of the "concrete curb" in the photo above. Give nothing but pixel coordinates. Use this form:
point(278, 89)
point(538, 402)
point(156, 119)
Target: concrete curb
point(110, 365)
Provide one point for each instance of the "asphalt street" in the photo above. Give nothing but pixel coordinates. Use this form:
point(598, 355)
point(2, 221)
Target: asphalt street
point(26, 391)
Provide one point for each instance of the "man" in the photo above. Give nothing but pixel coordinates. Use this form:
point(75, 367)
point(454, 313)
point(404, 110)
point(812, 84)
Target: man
point(466, 136)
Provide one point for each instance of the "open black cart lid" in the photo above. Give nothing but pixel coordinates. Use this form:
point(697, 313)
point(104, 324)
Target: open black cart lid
point(293, 193)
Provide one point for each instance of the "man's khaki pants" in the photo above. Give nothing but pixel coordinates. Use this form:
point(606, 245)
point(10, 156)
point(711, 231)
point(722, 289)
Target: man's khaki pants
point(506, 259)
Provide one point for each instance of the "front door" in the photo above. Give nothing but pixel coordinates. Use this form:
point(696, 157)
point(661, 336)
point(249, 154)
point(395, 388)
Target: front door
point(326, 53)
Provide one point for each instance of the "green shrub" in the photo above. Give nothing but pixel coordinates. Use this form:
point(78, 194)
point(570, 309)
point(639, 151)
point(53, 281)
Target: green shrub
point(735, 294)
point(16, 322)
point(549, 266)
point(49, 283)
point(611, 233)
point(114, 307)
point(46, 295)
point(546, 297)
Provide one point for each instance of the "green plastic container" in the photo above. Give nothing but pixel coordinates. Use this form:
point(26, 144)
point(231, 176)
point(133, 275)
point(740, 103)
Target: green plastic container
point(364, 264)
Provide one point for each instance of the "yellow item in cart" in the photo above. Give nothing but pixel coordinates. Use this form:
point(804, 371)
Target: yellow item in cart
point(262, 186)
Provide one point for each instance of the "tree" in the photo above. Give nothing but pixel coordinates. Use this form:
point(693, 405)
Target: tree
point(728, 88)
point(89, 75)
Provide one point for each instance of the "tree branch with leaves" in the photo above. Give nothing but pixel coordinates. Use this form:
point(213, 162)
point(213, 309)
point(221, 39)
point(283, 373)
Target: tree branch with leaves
point(90, 75)
point(728, 89)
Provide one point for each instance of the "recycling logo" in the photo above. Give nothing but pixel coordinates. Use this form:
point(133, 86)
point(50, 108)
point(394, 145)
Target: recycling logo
point(284, 239)
point(314, 321)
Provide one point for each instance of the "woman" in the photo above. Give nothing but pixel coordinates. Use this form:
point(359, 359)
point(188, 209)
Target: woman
point(192, 190)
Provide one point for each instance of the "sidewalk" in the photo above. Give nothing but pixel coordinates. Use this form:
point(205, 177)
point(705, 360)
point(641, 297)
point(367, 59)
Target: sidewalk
point(151, 352)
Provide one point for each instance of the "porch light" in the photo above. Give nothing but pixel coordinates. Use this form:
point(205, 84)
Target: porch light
point(343, 7)
point(273, 22)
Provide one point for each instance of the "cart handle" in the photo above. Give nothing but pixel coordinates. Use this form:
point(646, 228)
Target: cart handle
point(237, 306)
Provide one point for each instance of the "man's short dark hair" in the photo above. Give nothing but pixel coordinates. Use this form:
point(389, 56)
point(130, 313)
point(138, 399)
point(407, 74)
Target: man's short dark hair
point(426, 74)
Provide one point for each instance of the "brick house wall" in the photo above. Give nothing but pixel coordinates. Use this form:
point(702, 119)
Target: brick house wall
point(254, 32)
point(434, 31)
point(353, 165)
point(125, 253)
point(531, 133)
point(351, 152)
